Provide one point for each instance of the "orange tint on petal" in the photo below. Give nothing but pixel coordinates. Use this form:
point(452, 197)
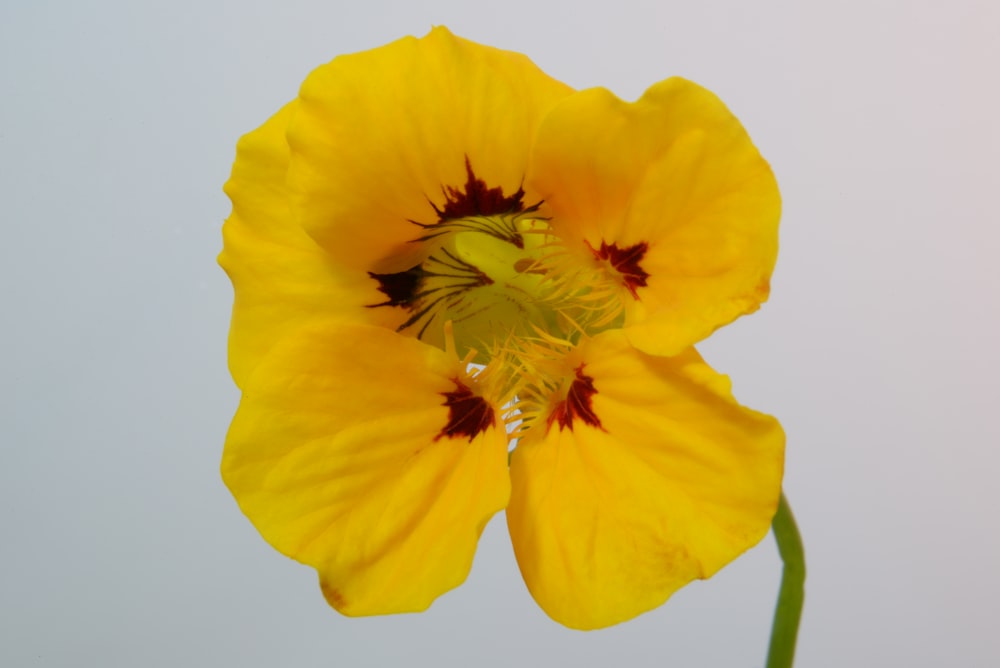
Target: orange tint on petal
point(674, 171)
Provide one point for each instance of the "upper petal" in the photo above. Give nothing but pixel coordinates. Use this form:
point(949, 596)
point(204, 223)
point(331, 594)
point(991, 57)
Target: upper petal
point(381, 135)
point(282, 279)
point(649, 475)
point(676, 175)
point(368, 456)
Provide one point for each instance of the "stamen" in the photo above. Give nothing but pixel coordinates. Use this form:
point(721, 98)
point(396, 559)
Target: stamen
point(449, 341)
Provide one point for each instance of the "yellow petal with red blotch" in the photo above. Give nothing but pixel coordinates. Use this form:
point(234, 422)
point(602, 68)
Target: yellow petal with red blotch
point(282, 279)
point(381, 134)
point(653, 477)
point(352, 451)
point(674, 179)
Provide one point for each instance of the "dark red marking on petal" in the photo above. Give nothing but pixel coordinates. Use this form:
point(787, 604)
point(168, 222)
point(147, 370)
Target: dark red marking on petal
point(476, 199)
point(468, 413)
point(577, 404)
point(401, 288)
point(626, 262)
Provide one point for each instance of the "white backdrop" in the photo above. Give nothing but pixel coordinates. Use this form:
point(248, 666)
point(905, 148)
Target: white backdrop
point(119, 545)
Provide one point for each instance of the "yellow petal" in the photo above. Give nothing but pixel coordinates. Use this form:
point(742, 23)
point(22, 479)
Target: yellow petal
point(380, 135)
point(675, 172)
point(282, 279)
point(655, 478)
point(347, 455)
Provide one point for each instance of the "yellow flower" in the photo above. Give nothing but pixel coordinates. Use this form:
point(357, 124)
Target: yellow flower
point(438, 251)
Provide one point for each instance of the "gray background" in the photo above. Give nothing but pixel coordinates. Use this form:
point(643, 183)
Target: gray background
point(119, 545)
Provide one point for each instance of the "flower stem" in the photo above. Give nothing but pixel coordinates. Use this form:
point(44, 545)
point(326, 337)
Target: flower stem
point(788, 611)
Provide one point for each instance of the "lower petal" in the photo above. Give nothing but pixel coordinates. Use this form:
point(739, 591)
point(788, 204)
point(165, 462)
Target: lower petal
point(347, 455)
point(665, 479)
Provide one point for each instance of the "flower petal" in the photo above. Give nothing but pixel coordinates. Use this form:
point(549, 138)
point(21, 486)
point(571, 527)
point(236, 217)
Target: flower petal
point(676, 176)
point(653, 476)
point(353, 452)
point(380, 135)
point(282, 279)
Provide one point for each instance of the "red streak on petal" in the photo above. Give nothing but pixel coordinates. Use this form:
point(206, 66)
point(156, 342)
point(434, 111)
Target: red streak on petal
point(333, 597)
point(477, 200)
point(577, 404)
point(625, 261)
point(468, 413)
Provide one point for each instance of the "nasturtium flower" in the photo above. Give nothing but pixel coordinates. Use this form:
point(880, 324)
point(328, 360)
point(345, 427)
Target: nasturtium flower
point(462, 287)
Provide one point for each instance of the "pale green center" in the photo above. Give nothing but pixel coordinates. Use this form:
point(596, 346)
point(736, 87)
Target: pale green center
point(496, 288)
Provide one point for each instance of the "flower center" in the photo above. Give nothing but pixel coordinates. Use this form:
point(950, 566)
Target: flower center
point(498, 287)
point(514, 292)
point(499, 278)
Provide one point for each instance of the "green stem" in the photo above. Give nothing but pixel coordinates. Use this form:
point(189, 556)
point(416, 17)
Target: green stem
point(788, 611)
